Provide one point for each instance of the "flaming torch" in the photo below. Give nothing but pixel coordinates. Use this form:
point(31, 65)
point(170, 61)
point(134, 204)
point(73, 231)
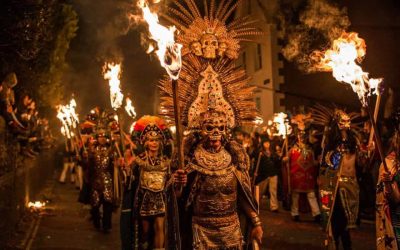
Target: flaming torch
point(63, 116)
point(129, 108)
point(169, 55)
point(342, 60)
point(112, 73)
point(282, 126)
point(69, 119)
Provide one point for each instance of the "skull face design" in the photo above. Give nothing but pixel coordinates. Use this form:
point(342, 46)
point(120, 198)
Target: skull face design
point(222, 48)
point(214, 126)
point(343, 120)
point(172, 60)
point(209, 44)
point(195, 48)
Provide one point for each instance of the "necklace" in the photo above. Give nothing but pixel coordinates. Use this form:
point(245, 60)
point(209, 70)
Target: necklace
point(213, 161)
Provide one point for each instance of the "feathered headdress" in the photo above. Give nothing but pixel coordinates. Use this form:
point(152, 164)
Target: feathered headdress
point(209, 78)
point(325, 116)
point(212, 34)
point(302, 121)
point(151, 126)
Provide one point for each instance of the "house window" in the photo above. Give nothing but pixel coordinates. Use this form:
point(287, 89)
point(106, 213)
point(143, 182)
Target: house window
point(242, 60)
point(258, 62)
point(258, 103)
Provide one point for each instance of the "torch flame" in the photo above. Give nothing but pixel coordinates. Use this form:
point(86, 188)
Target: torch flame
point(112, 73)
point(36, 204)
point(68, 117)
point(258, 121)
point(342, 59)
point(129, 108)
point(168, 52)
point(281, 125)
point(65, 132)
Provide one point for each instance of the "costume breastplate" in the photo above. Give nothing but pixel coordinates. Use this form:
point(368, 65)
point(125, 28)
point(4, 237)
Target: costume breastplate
point(217, 195)
point(217, 191)
point(102, 158)
point(212, 163)
point(153, 174)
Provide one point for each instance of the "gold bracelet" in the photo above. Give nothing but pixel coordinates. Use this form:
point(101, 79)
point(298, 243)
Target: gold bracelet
point(256, 221)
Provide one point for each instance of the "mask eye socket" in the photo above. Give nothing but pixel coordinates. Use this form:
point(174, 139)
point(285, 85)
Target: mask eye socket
point(209, 128)
point(221, 128)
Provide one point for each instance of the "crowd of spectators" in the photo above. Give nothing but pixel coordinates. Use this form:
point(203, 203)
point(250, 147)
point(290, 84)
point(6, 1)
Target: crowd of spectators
point(23, 132)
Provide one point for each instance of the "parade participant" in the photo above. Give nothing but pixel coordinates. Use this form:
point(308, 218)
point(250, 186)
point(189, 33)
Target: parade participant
point(218, 186)
point(68, 162)
point(144, 204)
point(267, 175)
point(101, 179)
point(303, 169)
point(213, 184)
point(338, 184)
point(388, 196)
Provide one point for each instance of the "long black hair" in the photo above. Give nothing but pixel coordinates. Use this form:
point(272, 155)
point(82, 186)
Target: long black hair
point(334, 138)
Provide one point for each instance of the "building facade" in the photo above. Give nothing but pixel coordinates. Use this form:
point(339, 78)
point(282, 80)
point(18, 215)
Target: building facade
point(261, 59)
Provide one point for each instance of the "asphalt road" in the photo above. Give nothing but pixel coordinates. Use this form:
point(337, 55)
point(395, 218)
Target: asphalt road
point(67, 226)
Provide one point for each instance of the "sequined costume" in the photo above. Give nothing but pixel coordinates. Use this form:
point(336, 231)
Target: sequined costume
point(144, 192)
point(211, 199)
point(152, 180)
point(214, 97)
point(102, 177)
point(101, 182)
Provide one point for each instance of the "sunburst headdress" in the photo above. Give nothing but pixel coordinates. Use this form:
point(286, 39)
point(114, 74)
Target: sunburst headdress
point(209, 78)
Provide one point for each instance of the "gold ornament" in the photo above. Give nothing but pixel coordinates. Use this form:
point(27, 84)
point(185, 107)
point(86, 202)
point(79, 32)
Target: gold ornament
point(217, 36)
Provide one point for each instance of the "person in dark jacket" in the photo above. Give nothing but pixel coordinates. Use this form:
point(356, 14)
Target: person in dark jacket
point(267, 173)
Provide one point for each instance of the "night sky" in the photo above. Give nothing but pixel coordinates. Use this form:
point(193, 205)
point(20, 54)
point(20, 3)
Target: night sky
point(103, 34)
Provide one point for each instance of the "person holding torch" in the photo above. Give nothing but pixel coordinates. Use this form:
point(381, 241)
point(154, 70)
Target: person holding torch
point(388, 195)
point(145, 202)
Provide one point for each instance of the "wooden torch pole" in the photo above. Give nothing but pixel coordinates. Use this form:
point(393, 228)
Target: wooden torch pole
point(376, 112)
point(377, 138)
point(177, 114)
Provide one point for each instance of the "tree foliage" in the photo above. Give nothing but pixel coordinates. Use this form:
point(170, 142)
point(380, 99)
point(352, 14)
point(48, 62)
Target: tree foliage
point(34, 40)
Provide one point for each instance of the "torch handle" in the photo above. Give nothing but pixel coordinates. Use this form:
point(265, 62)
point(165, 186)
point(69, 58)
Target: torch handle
point(376, 112)
point(177, 114)
point(80, 137)
point(378, 139)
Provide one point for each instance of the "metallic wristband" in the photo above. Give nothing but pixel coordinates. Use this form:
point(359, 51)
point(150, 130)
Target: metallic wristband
point(256, 221)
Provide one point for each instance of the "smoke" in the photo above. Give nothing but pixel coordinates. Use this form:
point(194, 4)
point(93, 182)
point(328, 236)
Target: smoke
point(309, 25)
point(107, 33)
point(110, 18)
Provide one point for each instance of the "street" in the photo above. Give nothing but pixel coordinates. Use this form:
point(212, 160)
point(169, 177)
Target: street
point(67, 226)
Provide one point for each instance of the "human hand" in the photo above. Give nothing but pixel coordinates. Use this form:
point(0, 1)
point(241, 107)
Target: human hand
point(10, 109)
point(385, 177)
point(257, 234)
point(180, 177)
point(121, 162)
